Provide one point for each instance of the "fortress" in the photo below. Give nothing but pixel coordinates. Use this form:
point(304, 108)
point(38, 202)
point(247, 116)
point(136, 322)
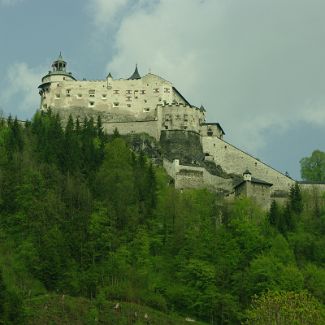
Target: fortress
point(149, 104)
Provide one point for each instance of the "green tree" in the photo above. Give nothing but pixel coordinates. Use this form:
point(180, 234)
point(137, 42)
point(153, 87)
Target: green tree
point(313, 168)
point(283, 308)
point(296, 203)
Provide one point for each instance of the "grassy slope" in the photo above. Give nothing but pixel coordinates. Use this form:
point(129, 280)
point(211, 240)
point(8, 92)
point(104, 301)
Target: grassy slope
point(58, 309)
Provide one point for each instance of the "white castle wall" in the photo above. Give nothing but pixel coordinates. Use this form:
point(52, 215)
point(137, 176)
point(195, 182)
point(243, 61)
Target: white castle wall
point(234, 160)
point(136, 99)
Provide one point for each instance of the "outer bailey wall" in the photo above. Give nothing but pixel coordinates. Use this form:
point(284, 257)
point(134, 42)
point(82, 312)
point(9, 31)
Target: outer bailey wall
point(233, 160)
point(195, 177)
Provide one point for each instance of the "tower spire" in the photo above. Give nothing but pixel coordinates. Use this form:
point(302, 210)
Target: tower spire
point(135, 74)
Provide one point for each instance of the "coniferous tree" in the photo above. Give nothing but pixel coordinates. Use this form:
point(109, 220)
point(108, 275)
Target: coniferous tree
point(296, 199)
point(274, 214)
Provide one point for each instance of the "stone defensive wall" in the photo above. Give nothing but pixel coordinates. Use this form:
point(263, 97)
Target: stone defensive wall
point(234, 160)
point(312, 186)
point(179, 116)
point(195, 177)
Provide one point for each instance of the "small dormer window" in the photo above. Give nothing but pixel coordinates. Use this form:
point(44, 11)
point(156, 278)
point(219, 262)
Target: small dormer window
point(116, 91)
point(167, 90)
point(116, 104)
point(147, 109)
point(104, 96)
point(79, 95)
point(92, 93)
point(156, 90)
point(91, 104)
point(57, 96)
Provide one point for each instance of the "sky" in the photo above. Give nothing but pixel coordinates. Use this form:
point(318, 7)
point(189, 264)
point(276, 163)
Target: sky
point(257, 66)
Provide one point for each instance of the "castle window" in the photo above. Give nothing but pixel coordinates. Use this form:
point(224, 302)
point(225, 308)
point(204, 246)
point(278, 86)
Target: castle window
point(63, 78)
point(44, 105)
point(167, 90)
point(91, 104)
point(116, 91)
point(185, 117)
point(128, 91)
point(68, 92)
point(147, 109)
point(156, 90)
point(79, 95)
point(104, 96)
point(128, 98)
point(91, 93)
point(210, 133)
point(145, 100)
point(143, 92)
point(57, 96)
point(166, 127)
point(116, 104)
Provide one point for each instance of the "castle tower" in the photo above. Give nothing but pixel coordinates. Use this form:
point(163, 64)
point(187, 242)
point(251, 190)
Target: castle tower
point(59, 65)
point(58, 73)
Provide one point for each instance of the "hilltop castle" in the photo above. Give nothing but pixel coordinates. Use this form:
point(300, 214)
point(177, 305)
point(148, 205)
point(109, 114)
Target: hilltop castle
point(149, 104)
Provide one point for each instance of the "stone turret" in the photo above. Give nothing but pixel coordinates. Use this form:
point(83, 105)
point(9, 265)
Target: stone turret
point(247, 175)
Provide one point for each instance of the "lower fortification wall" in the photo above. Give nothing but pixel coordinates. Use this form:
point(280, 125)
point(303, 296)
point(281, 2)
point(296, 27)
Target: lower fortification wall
point(126, 124)
point(195, 177)
point(149, 127)
point(234, 160)
point(312, 187)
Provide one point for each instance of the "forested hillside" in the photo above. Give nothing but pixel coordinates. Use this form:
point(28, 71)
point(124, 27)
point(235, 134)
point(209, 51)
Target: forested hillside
point(93, 233)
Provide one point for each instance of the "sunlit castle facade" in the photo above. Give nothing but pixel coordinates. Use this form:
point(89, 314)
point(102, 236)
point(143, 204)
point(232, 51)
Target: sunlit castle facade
point(150, 104)
point(147, 104)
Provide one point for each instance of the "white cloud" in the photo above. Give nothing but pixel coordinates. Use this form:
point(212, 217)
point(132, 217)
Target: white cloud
point(253, 64)
point(20, 89)
point(105, 11)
